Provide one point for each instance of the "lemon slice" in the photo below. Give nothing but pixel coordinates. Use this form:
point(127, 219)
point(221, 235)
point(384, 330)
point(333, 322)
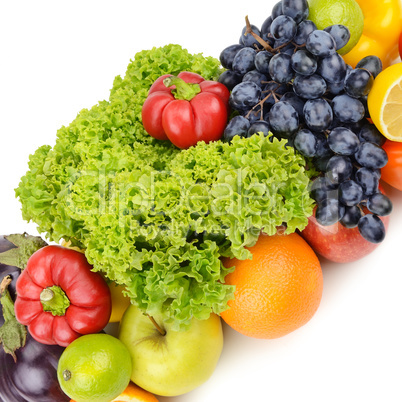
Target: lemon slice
point(385, 102)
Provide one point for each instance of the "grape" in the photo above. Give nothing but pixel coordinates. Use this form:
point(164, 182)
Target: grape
point(355, 127)
point(363, 100)
point(295, 101)
point(266, 27)
point(245, 95)
point(280, 68)
point(321, 44)
point(379, 204)
point(359, 83)
point(239, 125)
point(320, 163)
point(271, 92)
point(335, 88)
point(368, 180)
point(262, 60)
point(296, 9)
point(227, 55)
point(309, 87)
point(255, 114)
point(332, 68)
point(339, 169)
point(303, 62)
point(351, 217)
point(371, 156)
point(372, 64)
point(279, 89)
point(347, 109)
point(317, 114)
point(304, 29)
point(246, 39)
point(230, 79)
point(256, 77)
point(323, 150)
point(259, 126)
point(372, 228)
point(349, 69)
point(283, 119)
point(370, 133)
point(285, 47)
point(350, 193)
point(306, 143)
point(244, 60)
point(343, 141)
point(340, 33)
point(283, 27)
point(329, 211)
point(322, 188)
point(277, 10)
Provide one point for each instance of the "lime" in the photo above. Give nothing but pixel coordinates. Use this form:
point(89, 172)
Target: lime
point(325, 13)
point(94, 368)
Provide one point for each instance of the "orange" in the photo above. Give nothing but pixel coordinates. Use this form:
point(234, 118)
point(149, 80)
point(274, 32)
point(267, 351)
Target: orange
point(277, 291)
point(133, 393)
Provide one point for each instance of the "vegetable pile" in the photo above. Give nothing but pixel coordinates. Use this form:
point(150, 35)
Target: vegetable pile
point(155, 218)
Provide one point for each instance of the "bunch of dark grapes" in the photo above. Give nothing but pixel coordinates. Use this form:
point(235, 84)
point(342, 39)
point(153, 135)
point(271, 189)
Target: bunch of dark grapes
point(288, 79)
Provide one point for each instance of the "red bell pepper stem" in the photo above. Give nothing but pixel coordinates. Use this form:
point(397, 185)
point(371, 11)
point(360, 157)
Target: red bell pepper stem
point(54, 300)
point(184, 90)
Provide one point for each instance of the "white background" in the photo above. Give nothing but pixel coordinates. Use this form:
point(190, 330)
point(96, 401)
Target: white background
point(58, 57)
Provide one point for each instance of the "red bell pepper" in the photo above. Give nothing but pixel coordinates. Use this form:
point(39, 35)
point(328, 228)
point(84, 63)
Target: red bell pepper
point(186, 109)
point(59, 298)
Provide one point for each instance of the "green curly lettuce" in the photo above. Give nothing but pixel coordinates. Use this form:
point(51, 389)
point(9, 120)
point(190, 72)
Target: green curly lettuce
point(152, 217)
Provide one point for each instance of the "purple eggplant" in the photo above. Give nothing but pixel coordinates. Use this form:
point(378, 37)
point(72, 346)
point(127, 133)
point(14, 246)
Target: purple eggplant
point(33, 377)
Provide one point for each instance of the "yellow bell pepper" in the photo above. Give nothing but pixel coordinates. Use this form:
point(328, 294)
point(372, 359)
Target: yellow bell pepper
point(382, 27)
point(120, 302)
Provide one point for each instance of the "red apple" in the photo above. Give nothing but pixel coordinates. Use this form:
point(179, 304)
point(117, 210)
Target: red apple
point(337, 243)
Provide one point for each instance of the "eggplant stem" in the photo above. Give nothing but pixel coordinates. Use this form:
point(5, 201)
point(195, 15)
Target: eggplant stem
point(4, 283)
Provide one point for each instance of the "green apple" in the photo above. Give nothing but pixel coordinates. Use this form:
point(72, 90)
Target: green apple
point(168, 362)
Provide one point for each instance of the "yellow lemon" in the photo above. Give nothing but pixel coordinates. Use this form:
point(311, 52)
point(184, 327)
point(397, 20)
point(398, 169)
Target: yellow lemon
point(385, 102)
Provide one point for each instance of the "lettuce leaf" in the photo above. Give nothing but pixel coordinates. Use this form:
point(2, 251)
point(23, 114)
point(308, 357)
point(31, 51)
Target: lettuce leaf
point(151, 217)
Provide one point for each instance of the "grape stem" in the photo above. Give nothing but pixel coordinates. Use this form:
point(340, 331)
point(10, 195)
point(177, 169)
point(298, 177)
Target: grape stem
point(261, 41)
point(262, 101)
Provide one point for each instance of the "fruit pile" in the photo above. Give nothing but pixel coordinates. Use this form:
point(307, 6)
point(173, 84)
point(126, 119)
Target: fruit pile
point(218, 201)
